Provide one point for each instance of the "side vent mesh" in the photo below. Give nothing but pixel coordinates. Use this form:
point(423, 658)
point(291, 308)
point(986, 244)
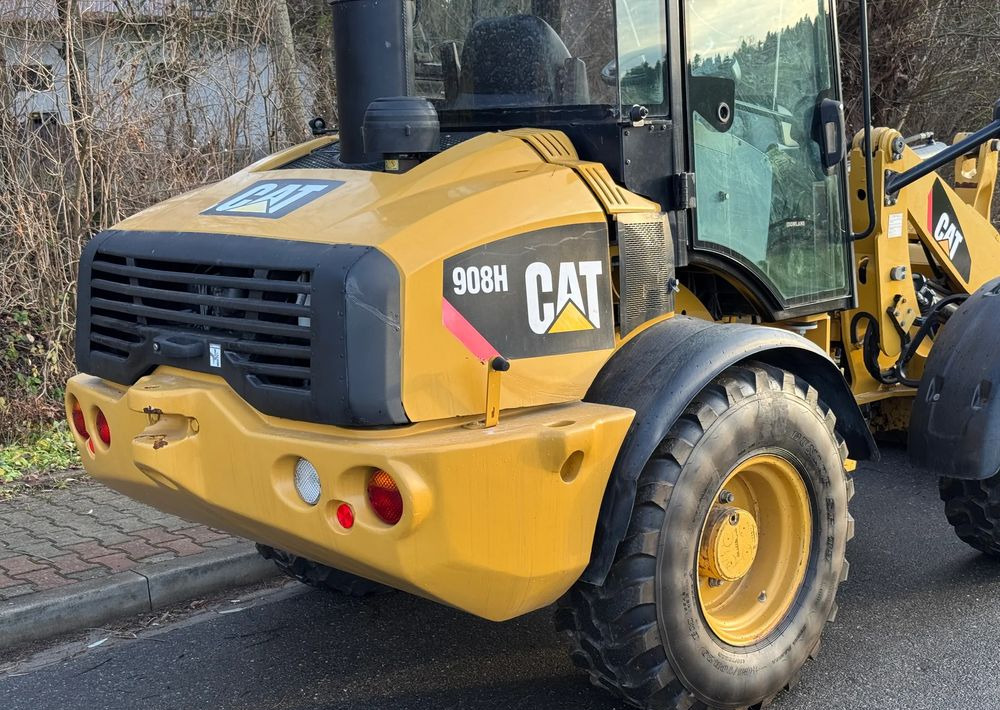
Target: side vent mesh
point(646, 267)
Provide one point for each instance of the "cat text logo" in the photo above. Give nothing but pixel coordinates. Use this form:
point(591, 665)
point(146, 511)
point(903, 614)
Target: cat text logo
point(273, 199)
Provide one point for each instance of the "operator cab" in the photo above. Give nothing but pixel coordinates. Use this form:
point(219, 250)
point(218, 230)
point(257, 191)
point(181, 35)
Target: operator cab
point(722, 112)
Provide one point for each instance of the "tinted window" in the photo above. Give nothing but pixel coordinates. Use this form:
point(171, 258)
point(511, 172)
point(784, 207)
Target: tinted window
point(483, 54)
point(642, 54)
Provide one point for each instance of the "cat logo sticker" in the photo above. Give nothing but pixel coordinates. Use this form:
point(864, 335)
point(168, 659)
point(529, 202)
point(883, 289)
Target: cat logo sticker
point(944, 225)
point(273, 199)
point(543, 293)
point(576, 300)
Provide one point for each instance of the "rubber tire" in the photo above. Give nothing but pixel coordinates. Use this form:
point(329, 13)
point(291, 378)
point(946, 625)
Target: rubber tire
point(320, 576)
point(641, 635)
point(973, 509)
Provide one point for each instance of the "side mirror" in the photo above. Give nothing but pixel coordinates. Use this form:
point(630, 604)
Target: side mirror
point(609, 74)
point(833, 134)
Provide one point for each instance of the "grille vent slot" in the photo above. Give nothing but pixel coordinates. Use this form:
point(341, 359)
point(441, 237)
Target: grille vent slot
point(261, 317)
point(646, 267)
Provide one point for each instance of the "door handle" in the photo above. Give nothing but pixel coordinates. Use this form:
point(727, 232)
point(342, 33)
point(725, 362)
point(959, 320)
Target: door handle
point(833, 132)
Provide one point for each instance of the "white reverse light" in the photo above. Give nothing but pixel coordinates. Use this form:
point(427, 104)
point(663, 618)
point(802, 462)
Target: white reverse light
point(307, 482)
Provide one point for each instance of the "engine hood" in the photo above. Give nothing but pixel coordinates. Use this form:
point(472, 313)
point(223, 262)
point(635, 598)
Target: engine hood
point(501, 247)
point(471, 194)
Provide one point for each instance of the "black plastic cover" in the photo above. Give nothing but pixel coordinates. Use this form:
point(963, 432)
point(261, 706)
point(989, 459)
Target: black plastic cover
point(401, 125)
point(833, 134)
point(714, 99)
point(955, 423)
point(300, 330)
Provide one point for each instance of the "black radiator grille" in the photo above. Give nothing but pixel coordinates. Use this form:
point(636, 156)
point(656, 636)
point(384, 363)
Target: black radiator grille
point(260, 317)
point(287, 324)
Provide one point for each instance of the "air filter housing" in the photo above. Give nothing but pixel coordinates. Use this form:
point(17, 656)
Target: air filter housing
point(401, 126)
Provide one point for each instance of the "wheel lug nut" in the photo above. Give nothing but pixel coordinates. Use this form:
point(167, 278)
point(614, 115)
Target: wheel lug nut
point(726, 497)
point(762, 598)
point(713, 582)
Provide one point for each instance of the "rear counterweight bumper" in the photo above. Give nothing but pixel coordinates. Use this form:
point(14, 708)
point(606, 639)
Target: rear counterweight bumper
point(497, 522)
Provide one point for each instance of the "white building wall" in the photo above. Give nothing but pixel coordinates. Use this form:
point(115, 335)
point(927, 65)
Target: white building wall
point(229, 99)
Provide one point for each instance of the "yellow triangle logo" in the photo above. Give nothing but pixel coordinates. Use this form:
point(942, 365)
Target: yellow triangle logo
point(252, 208)
point(571, 320)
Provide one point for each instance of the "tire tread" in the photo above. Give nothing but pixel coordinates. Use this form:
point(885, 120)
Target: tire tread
point(973, 510)
point(620, 655)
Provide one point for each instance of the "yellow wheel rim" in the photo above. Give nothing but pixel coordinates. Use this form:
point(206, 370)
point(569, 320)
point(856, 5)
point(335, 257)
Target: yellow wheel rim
point(754, 550)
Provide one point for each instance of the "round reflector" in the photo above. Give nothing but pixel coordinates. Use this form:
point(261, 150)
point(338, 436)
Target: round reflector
point(103, 429)
point(385, 499)
point(345, 516)
point(307, 482)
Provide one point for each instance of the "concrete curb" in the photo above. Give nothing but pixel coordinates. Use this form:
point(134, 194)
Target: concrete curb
point(36, 617)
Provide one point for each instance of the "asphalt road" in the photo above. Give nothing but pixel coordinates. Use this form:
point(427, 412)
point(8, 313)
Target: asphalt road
point(918, 628)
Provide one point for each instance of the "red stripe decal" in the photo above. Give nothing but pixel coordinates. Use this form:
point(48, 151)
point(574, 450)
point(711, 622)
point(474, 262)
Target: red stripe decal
point(930, 212)
point(467, 333)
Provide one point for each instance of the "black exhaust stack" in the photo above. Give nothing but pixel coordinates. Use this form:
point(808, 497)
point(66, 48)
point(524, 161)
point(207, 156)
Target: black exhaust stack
point(372, 54)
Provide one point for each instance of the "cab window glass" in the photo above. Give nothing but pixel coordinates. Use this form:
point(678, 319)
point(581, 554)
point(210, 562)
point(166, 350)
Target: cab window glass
point(640, 68)
point(764, 197)
point(489, 54)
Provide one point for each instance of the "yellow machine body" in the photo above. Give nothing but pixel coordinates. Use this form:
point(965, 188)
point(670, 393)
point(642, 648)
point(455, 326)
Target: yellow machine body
point(499, 520)
point(929, 227)
point(412, 219)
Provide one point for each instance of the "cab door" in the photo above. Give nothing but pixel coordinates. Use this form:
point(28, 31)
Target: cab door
point(768, 208)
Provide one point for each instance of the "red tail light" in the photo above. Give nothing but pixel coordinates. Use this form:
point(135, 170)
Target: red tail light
point(79, 422)
point(103, 429)
point(384, 497)
point(345, 516)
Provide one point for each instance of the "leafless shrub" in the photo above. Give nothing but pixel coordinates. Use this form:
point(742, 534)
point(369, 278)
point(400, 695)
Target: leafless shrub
point(107, 107)
point(934, 63)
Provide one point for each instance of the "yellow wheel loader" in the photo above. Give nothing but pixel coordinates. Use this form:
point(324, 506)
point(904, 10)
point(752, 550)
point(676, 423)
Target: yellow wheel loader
point(589, 303)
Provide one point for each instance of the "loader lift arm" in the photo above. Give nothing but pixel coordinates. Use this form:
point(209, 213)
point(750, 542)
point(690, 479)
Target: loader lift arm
point(898, 181)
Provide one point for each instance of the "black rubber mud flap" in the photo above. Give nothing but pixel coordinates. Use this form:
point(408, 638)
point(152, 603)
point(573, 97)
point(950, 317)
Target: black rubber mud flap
point(662, 370)
point(955, 424)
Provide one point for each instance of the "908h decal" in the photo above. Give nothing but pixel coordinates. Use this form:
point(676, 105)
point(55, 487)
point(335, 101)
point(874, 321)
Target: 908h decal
point(543, 293)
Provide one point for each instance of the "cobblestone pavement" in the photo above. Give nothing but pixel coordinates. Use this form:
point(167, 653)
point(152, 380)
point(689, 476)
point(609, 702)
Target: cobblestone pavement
point(87, 531)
